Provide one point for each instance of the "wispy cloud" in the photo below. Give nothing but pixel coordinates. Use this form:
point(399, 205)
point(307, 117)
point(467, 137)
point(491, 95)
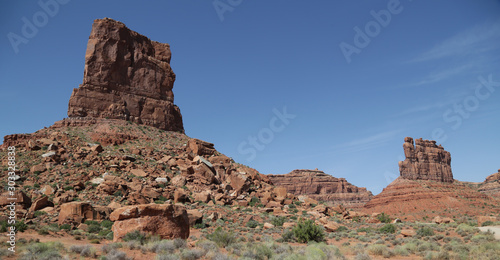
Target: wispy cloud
point(475, 40)
point(443, 75)
point(367, 143)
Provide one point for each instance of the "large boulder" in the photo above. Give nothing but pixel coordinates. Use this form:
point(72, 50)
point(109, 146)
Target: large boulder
point(78, 212)
point(165, 220)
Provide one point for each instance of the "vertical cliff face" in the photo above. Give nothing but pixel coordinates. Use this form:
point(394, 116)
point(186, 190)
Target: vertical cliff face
point(127, 76)
point(321, 186)
point(425, 161)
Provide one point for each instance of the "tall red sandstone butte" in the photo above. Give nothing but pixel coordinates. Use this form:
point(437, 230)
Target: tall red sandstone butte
point(127, 76)
point(425, 161)
point(426, 187)
point(323, 187)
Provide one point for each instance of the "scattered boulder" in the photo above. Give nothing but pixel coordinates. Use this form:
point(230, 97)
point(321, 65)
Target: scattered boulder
point(408, 232)
point(440, 220)
point(40, 203)
point(165, 220)
point(199, 147)
point(78, 212)
point(195, 217)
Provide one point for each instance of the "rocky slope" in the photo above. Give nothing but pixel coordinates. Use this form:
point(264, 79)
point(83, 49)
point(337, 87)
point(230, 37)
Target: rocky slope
point(424, 188)
point(322, 187)
point(126, 76)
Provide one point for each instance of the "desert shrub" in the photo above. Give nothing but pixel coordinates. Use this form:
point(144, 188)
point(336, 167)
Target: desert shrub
point(219, 256)
point(43, 251)
point(323, 251)
point(465, 228)
point(20, 226)
point(135, 236)
point(107, 224)
point(254, 201)
point(167, 257)
point(252, 223)
point(258, 252)
point(163, 246)
point(207, 245)
point(362, 256)
point(192, 254)
point(377, 249)
point(287, 236)
point(342, 229)
point(39, 213)
point(83, 250)
point(94, 229)
point(425, 232)
point(488, 223)
point(388, 229)
point(278, 221)
point(400, 250)
point(65, 226)
point(306, 231)
point(116, 255)
point(110, 247)
point(222, 238)
point(384, 218)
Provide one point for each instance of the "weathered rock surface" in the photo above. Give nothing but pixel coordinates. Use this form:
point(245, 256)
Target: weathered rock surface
point(78, 212)
point(323, 187)
point(165, 220)
point(491, 186)
point(425, 161)
point(127, 76)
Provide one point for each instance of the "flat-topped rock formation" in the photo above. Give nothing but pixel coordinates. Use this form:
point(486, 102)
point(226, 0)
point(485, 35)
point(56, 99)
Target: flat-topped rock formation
point(127, 76)
point(425, 161)
point(322, 187)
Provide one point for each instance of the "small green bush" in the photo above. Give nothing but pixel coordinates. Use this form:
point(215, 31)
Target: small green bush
point(65, 226)
point(425, 232)
point(388, 229)
point(254, 201)
point(252, 223)
point(487, 223)
point(222, 238)
point(39, 213)
point(306, 231)
point(278, 221)
point(135, 236)
point(384, 218)
point(107, 224)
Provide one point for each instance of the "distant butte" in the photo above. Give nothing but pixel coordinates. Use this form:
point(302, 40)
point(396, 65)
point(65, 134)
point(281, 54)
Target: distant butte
point(425, 161)
point(322, 187)
point(127, 76)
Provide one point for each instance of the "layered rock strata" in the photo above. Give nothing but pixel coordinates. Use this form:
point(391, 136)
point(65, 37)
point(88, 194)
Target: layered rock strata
point(322, 187)
point(127, 76)
point(425, 161)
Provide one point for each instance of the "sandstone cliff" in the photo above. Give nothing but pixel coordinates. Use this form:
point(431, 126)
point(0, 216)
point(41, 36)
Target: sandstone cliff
point(322, 187)
point(127, 76)
point(425, 161)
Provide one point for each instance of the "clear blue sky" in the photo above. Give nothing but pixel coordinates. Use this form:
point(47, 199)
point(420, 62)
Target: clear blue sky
point(350, 118)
